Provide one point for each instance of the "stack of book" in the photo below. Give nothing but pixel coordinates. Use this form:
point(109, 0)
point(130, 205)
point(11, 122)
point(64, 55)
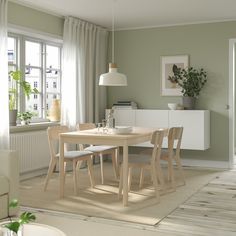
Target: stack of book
point(125, 105)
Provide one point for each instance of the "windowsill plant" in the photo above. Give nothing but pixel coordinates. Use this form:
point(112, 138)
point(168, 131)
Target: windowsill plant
point(25, 117)
point(18, 84)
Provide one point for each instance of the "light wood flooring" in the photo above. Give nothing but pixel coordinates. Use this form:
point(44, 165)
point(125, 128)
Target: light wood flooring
point(210, 211)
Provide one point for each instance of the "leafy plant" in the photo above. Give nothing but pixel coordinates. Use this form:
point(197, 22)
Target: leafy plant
point(190, 80)
point(26, 116)
point(17, 81)
point(24, 218)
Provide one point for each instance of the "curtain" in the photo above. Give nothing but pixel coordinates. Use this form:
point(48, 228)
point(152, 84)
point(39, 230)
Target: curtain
point(84, 59)
point(4, 124)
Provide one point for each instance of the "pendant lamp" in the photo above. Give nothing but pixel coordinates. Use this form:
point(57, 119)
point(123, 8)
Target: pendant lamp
point(113, 77)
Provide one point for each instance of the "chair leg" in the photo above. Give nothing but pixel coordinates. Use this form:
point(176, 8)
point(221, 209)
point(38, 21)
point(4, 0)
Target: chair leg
point(141, 178)
point(90, 170)
point(171, 173)
point(114, 163)
point(51, 167)
point(101, 165)
point(121, 182)
point(155, 183)
point(75, 176)
point(160, 174)
point(78, 165)
point(130, 178)
point(180, 168)
point(65, 163)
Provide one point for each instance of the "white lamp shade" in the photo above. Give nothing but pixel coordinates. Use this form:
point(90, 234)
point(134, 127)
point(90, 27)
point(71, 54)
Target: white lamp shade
point(113, 78)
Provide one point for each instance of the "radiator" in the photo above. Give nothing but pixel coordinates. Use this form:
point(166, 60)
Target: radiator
point(32, 148)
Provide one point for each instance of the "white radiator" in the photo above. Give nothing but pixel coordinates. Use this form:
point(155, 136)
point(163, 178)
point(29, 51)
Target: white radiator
point(32, 148)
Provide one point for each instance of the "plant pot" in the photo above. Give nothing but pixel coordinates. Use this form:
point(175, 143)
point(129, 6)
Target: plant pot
point(12, 117)
point(25, 122)
point(189, 103)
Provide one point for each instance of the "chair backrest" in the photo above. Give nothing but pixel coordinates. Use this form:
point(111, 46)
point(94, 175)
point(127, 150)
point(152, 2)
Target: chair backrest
point(174, 139)
point(84, 126)
point(53, 138)
point(156, 140)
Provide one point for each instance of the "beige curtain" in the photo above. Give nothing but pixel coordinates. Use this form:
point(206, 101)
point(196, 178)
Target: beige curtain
point(84, 59)
point(4, 124)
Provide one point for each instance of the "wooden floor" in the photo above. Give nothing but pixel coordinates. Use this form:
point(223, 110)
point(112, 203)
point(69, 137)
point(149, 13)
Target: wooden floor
point(210, 211)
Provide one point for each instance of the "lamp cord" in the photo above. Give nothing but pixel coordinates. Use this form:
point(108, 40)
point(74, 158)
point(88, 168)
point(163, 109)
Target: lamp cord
point(113, 32)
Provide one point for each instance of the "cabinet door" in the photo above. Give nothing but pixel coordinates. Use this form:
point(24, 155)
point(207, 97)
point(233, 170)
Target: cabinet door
point(152, 119)
point(196, 128)
point(124, 117)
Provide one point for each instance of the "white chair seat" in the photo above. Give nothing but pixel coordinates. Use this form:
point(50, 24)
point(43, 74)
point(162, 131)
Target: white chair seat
point(75, 154)
point(99, 148)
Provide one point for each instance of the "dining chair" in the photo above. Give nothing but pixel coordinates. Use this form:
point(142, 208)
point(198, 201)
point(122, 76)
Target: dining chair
point(76, 157)
point(173, 153)
point(151, 163)
point(101, 150)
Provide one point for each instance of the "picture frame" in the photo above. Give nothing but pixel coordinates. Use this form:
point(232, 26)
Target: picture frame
point(168, 88)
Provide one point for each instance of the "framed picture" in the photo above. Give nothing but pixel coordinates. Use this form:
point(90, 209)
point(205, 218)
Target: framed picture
point(169, 88)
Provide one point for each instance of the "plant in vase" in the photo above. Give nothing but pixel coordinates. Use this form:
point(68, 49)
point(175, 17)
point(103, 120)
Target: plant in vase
point(191, 81)
point(25, 117)
point(14, 225)
point(18, 83)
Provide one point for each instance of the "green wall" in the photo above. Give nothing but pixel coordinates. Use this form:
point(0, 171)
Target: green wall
point(34, 19)
point(138, 52)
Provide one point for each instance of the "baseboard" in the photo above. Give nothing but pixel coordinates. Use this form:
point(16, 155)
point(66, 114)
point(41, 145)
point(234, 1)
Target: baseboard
point(31, 174)
point(205, 163)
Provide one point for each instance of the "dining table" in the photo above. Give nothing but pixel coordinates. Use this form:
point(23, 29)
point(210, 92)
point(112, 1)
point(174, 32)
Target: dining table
point(99, 136)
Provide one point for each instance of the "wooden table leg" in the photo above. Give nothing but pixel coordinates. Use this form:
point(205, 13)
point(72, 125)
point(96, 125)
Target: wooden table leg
point(61, 169)
point(125, 175)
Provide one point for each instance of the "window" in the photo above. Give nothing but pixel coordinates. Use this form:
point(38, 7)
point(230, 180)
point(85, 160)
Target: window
point(35, 84)
point(54, 84)
point(40, 60)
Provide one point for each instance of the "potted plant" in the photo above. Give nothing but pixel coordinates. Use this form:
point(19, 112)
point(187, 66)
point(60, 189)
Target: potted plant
point(14, 226)
point(17, 83)
point(25, 117)
point(191, 81)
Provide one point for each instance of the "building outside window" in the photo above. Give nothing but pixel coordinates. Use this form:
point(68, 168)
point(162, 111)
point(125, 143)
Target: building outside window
point(40, 62)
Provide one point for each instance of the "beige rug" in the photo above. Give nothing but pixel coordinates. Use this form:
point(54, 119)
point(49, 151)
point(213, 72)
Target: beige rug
point(102, 201)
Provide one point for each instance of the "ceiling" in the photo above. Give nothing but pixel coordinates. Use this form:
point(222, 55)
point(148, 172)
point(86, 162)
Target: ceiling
point(130, 14)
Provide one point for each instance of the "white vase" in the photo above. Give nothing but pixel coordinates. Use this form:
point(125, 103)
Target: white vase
point(6, 232)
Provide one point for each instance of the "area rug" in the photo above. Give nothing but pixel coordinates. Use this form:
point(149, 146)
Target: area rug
point(102, 201)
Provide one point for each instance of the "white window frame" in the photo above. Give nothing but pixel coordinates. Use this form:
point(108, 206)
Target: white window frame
point(23, 35)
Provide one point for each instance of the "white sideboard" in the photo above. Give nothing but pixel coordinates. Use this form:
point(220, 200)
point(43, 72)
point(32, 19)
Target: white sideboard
point(196, 123)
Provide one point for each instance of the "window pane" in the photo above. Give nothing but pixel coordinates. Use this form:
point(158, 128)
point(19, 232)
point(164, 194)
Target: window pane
point(32, 53)
point(11, 50)
point(49, 99)
point(33, 76)
point(52, 57)
point(53, 82)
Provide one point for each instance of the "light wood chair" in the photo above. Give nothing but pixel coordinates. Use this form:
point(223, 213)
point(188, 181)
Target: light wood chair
point(101, 150)
point(151, 163)
point(76, 157)
point(173, 153)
